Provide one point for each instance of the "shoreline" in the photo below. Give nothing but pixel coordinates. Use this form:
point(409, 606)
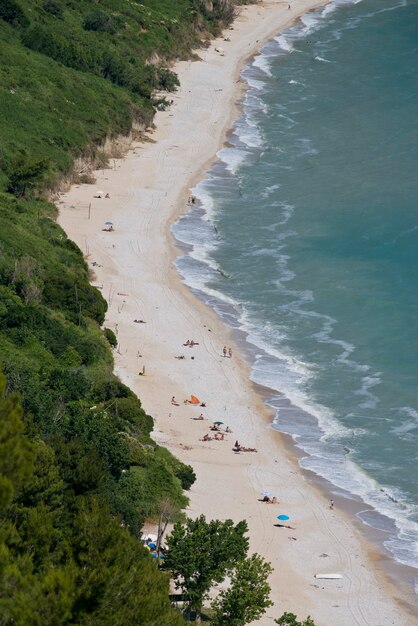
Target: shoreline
point(147, 194)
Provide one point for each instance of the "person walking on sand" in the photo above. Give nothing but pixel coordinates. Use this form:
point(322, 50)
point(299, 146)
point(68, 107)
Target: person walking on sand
point(331, 504)
point(225, 351)
point(230, 353)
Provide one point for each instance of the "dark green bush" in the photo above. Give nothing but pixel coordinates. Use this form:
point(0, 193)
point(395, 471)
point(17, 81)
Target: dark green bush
point(98, 432)
point(166, 79)
point(11, 12)
point(26, 174)
point(74, 296)
point(130, 414)
point(111, 337)
point(186, 476)
point(99, 21)
point(53, 8)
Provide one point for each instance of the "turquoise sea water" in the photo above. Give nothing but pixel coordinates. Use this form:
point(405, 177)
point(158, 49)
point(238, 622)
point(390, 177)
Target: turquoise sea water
point(306, 238)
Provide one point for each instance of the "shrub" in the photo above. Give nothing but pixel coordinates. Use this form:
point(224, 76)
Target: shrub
point(186, 476)
point(53, 8)
point(100, 22)
point(166, 79)
point(25, 174)
point(11, 12)
point(129, 412)
point(111, 337)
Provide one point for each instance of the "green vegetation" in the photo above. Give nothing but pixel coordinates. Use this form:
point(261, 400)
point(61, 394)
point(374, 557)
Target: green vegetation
point(202, 553)
point(247, 597)
point(73, 73)
point(63, 558)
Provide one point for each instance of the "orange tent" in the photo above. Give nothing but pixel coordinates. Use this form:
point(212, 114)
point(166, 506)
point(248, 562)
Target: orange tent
point(194, 400)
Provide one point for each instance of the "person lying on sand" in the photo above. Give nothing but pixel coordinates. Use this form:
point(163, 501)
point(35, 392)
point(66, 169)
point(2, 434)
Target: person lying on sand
point(268, 500)
point(206, 438)
point(140, 321)
point(181, 356)
point(285, 526)
point(174, 401)
point(238, 448)
point(199, 418)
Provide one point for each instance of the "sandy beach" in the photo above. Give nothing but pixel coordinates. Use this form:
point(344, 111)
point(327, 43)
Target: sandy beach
point(133, 267)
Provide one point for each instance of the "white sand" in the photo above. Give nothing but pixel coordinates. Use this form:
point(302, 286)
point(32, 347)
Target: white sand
point(147, 191)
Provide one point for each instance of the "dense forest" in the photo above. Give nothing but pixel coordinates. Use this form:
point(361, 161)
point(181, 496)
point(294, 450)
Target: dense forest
point(79, 472)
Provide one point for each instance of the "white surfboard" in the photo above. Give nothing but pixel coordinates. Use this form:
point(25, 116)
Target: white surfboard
point(328, 576)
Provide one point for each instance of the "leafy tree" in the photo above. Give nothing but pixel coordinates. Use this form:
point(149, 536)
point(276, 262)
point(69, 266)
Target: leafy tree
point(247, 598)
point(290, 619)
point(202, 553)
point(26, 174)
point(119, 583)
point(16, 453)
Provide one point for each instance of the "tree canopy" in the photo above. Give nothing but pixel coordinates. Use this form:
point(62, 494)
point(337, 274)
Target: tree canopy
point(201, 553)
point(63, 558)
point(247, 597)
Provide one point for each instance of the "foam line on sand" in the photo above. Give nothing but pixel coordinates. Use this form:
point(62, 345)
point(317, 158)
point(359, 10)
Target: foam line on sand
point(133, 266)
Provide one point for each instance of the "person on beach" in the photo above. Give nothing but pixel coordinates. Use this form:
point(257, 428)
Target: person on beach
point(174, 401)
point(224, 351)
point(143, 371)
point(331, 504)
point(230, 353)
point(284, 526)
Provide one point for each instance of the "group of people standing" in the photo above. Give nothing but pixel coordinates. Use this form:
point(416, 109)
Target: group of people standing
point(227, 352)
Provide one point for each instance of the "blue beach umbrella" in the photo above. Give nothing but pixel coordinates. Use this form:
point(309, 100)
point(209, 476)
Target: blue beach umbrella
point(283, 517)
